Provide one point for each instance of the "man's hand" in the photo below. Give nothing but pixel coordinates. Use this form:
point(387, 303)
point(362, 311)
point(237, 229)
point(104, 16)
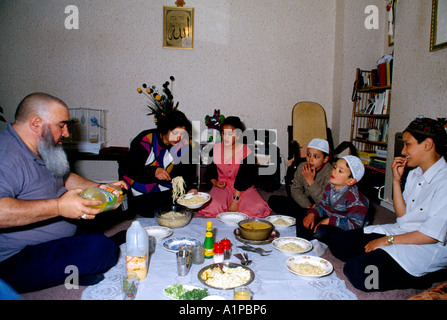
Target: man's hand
point(72, 206)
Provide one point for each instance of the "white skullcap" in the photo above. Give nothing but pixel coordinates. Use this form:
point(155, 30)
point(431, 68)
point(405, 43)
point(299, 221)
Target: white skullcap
point(319, 144)
point(356, 166)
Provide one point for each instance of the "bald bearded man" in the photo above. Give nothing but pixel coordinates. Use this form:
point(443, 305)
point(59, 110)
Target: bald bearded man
point(39, 203)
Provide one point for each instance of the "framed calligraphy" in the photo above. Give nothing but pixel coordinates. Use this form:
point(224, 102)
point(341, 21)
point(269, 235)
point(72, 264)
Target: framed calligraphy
point(178, 28)
point(438, 32)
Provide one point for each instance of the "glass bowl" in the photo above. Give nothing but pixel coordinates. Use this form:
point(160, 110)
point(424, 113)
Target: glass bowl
point(173, 216)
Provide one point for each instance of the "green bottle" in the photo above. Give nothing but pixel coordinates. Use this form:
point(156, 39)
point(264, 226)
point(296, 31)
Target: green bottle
point(208, 245)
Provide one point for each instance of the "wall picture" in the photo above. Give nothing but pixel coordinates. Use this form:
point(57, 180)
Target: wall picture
point(178, 28)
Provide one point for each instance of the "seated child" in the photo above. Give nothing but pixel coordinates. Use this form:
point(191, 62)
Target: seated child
point(412, 252)
point(232, 174)
point(309, 181)
point(342, 207)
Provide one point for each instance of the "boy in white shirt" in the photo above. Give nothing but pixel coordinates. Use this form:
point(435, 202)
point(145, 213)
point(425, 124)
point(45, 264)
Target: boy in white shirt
point(412, 252)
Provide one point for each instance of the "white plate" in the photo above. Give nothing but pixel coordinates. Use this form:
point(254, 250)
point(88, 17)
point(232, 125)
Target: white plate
point(191, 195)
point(291, 221)
point(317, 261)
point(173, 245)
point(158, 232)
point(214, 298)
point(306, 245)
point(186, 287)
point(231, 218)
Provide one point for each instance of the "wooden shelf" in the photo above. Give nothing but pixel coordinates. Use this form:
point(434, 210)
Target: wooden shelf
point(377, 143)
point(367, 115)
point(374, 89)
point(367, 121)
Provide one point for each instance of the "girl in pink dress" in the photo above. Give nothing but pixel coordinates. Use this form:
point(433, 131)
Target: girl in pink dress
point(232, 174)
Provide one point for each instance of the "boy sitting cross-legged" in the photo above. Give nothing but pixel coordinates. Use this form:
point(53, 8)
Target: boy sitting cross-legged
point(342, 207)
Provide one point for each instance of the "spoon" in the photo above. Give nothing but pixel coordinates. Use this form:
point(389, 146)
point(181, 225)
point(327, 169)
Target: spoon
point(247, 261)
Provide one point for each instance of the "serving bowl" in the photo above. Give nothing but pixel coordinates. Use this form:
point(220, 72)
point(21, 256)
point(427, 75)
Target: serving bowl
point(173, 216)
point(281, 221)
point(292, 246)
point(255, 229)
point(184, 201)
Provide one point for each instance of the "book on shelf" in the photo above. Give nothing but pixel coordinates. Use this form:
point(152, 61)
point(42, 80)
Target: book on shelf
point(385, 70)
point(379, 99)
point(380, 104)
point(382, 74)
point(386, 102)
point(377, 162)
point(385, 129)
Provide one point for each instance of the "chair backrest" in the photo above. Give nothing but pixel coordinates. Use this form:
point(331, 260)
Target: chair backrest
point(308, 122)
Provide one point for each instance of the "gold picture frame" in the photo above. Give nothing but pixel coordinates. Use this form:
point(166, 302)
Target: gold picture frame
point(438, 30)
point(178, 28)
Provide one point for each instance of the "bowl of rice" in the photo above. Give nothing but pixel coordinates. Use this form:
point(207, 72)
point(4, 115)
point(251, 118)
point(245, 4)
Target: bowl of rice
point(173, 216)
point(292, 246)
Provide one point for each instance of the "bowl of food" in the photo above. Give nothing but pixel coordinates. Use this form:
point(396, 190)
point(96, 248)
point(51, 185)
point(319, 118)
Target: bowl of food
point(255, 229)
point(292, 246)
point(173, 217)
point(194, 201)
point(281, 221)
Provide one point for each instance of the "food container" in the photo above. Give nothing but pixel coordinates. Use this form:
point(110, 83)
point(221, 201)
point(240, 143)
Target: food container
point(255, 229)
point(173, 216)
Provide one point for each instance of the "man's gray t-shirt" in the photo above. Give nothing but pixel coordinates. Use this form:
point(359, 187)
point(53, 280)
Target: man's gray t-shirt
point(24, 176)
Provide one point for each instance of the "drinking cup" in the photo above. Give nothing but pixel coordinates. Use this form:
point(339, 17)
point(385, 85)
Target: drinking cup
point(242, 293)
point(198, 255)
point(130, 285)
point(183, 262)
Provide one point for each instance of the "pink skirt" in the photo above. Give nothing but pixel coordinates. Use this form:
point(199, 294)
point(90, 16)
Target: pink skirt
point(251, 203)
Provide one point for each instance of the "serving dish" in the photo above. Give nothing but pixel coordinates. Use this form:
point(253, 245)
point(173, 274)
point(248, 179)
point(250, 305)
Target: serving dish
point(230, 279)
point(179, 290)
point(174, 244)
point(281, 221)
point(325, 265)
point(255, 229)
point(305, 245)
point(273, 235)
point(173, 216)
point(158, 232)
point(181, 200)
point(231, 218)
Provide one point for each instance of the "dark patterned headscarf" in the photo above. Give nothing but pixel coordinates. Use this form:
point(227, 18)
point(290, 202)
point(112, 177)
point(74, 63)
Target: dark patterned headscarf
point(426, 126)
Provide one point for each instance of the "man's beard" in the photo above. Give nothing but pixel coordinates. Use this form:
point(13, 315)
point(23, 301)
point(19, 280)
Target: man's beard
point(53, 154)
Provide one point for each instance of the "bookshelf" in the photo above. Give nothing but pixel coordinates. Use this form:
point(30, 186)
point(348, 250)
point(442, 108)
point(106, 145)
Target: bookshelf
point(369, 126)
point(371, 114)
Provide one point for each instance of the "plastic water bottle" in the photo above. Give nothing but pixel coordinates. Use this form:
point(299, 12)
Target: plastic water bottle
point(110, 195)
point(137, 243)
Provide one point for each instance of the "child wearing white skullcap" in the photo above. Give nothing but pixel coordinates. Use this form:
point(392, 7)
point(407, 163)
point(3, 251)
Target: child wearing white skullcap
point(356, 166)
point(319, 144)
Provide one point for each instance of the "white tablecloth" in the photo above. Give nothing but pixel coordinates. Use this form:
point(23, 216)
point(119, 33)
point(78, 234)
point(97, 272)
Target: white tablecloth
point(272, 279)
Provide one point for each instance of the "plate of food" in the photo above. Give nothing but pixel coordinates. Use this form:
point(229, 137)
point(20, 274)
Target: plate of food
point(291, 246)
point(158, 232)
point(226, 275)
point(185, 292)
point(173, 245)
point(281, 222)
point(231, 218)
point(194, 201)
point(309, 266)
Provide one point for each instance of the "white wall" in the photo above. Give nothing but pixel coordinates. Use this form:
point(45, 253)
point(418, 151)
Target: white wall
point(420, 76)
point(251, 58)
point(254, 59)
